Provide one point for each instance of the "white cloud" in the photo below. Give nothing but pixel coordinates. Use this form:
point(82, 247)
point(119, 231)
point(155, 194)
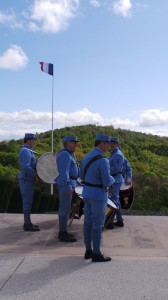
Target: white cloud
point(122, 7)
point(6, 18)
point(13, 58)
point(10, 20)
point(14, 125)
point(95, 3)
point(153, 117)
point(55, 15)
point(52, 15)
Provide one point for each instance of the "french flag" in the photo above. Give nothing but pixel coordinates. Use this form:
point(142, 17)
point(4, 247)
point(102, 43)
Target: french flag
point(47, 68)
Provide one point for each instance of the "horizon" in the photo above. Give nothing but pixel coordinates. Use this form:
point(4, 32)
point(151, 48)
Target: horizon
point(96, 125)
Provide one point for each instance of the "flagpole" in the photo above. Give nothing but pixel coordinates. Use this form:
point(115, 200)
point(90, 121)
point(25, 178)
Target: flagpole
point(49, 69)
point(52, 139)
point(52, 136)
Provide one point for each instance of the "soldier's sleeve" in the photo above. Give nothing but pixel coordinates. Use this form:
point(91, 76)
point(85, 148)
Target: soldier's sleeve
point(25, 161)
point(81, 173)
point(128, 172)
point(63, 168)
point(107, 179)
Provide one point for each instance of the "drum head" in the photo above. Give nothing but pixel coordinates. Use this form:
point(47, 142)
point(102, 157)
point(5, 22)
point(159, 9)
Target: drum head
point(125, 186)
point(111, 204)
point(46, 167)
point(79, 189)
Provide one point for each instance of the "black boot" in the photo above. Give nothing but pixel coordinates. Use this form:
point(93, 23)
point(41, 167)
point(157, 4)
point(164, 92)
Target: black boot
point(100, 258)
point(109, 226)
point(35, 225)
point(88, 254)
point(119, 223)
point(60, 234)
point(30, 227)
point(65, 237)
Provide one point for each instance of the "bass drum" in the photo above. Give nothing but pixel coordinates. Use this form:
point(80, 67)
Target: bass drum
point(110, 211)
point(126, 195)
point(46, 167)
point(77, 205)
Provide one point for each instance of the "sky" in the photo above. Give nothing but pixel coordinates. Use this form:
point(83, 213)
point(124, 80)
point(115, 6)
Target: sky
point(110, 62)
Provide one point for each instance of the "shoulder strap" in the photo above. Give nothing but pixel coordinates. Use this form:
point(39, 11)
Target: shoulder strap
point(94, 158)
point(70, 153)
point(24, 148)
point(64, 149)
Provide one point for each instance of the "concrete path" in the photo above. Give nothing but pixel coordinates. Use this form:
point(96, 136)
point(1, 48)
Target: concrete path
point(35, 265)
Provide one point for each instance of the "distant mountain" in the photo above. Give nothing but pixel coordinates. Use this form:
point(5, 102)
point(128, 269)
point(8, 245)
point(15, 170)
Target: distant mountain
point(147, 154)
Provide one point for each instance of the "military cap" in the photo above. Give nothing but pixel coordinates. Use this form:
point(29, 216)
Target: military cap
point(70, 138)
point(102, 137)
point(30, 136)
point(114, 140)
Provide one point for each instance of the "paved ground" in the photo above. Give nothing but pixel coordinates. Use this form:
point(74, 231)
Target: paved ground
point(37, 266)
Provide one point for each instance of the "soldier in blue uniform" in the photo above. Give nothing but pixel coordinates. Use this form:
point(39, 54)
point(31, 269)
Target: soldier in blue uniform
point(127, 172)
point(68, 172)
point(27, 178)
point(116, 165)
point(95, 172)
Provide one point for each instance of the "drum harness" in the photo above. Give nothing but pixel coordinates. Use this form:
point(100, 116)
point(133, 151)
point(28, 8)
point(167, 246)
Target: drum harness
point(96, 157)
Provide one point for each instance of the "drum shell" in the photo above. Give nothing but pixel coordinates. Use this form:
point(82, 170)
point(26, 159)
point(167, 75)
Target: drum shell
point(110, 211)
point(77, 206)
point(126, 197)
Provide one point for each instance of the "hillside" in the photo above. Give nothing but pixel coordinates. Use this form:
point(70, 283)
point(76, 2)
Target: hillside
point(146, 153)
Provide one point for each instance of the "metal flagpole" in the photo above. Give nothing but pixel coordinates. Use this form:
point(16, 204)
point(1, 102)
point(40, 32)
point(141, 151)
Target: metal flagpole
point(49, 69)
point(52, 139)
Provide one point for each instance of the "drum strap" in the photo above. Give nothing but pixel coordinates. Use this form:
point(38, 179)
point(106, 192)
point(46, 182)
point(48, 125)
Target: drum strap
point(87, 167)
point(91, 161)
point(71, 153)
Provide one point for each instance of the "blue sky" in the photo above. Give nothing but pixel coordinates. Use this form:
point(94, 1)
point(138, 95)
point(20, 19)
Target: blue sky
point(110, 65)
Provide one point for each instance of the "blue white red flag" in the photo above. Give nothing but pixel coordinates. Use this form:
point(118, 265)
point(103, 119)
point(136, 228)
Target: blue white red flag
point(47, 68)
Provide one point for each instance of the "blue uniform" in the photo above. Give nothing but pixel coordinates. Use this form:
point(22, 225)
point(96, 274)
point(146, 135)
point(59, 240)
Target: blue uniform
point(127, 171)
point(116, 164)
point(27, 177)
point(68, 172)
point(95, 198)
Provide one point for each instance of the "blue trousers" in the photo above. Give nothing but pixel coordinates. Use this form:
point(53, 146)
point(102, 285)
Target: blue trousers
point(115, 198)
point(27, 192)
point(64, 208)
point(94, 217)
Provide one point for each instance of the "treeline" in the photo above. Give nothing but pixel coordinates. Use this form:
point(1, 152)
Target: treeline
point(146, 153)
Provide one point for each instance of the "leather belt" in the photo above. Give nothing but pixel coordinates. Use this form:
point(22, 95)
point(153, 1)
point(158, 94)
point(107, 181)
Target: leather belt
point(93, 184)
point(116, 173)
point(73, 178)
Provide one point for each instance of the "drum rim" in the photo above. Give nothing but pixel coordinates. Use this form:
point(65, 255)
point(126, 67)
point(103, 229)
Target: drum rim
point(50, 152)
point(130, 187)
point(112, 202)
